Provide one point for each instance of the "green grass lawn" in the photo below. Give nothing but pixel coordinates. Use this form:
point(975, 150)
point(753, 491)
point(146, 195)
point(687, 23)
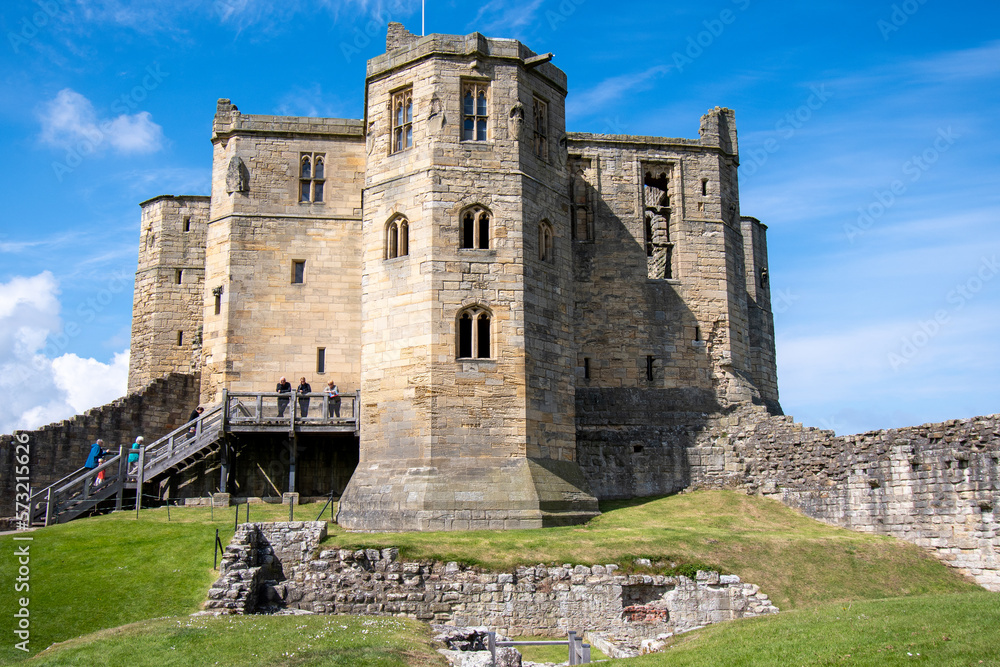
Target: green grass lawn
point(939, 630)
point(104, 572)
point(796, 560)
point(238, 641)
point(107, 571)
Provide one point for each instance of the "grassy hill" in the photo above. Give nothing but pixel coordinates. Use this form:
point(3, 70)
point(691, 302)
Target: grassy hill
point(796, 560)
point(104, 572)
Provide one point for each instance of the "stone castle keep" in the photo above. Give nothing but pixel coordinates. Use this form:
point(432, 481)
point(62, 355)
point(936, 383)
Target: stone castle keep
point(469, 266)
point(533, 320)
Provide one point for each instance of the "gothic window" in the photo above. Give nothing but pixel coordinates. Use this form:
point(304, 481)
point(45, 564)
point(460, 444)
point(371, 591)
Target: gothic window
point(402, 120)
point(540, 123)
point(582, 218)
point(311, 177)
point(475, 228)
point(474, 114)
point(474, 333)
point(397, 238)
point(545, 242)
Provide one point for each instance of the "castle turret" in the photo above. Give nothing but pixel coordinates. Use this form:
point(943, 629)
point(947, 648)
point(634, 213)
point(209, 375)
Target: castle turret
point(467, 349)
point(167, 307)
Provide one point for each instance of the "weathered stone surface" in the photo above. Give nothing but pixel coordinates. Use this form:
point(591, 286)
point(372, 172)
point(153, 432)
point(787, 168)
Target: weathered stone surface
point(512, 603)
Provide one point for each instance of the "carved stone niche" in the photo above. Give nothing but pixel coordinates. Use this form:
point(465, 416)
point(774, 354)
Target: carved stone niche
point(515, 121)
point(237, 176)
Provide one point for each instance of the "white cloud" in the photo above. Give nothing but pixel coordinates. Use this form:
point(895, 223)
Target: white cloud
point(612, 90)
point(70, 122)
point(88, 382)
point(38, 386)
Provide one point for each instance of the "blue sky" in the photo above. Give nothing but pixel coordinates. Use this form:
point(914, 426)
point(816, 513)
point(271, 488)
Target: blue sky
point(867, 134)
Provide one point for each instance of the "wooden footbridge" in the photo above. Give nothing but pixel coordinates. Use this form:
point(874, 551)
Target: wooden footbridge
point(80, 492)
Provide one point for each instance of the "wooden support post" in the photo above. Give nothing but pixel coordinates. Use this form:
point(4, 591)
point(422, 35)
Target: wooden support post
point(572, 648)
point(224, 468)
point(122, 473)
point(48, 506)
point(291, 462)
point(138, 480)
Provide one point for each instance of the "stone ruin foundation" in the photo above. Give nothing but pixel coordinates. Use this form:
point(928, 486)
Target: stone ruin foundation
point(281, 566)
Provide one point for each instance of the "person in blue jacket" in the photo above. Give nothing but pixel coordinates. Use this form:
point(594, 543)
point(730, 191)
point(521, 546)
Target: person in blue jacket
point(96, 452)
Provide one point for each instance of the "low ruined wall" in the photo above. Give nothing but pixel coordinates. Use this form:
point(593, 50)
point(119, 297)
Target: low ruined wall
point(58, 449)
point(935, 485)
point(535, 600)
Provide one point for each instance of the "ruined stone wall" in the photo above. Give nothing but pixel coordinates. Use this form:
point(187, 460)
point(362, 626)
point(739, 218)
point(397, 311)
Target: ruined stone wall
point(268, 323)
point(536, 600)
point(935, 485)
point(169, 289)
point(59, 449)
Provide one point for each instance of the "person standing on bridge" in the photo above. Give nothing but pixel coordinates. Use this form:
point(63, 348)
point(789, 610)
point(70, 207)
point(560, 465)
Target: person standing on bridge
point(303, 388)
point(284, 387)
point(333, 399)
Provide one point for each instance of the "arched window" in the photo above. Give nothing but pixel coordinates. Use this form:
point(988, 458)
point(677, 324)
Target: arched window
point(474, 333)
point(311, 177)
point(546, 240)
point(397, 238)
point(475, 228)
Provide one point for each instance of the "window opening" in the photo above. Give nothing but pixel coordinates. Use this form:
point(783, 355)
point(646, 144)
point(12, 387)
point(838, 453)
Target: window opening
point(474, 334)
point(541, 128)
point(311, 177)
point(474, 111)
point(402, 120)
point(704, 187)
point(180, 338)
point(397, 241)
point(545, 242)
point(218, 304)
point(187, 223)
point(475, 232)
point(586, 368)
point(660, 256)
point(298, 272)
point(649, 367)
point(179, 276)
point(320, 359)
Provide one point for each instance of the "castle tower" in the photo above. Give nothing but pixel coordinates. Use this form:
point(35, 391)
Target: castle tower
point(167, 306)
point(467, 352)
point(282, 269)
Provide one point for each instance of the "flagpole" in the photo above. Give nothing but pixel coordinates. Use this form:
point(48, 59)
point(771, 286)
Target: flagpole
point(423, 17)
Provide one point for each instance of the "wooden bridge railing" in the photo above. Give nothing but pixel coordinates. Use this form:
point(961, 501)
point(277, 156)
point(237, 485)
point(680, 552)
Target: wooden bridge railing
point(274, 408)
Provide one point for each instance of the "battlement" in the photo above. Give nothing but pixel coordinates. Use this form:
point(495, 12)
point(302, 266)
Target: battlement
point(405, 50)
point(229, 121)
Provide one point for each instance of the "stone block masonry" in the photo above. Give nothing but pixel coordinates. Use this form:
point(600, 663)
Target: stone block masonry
point(935, 485)
point(283, 564)
point(59, 449)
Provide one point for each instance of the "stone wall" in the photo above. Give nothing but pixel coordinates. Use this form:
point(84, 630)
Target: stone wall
point(59, 449)
point(935, 485)
point(538, 600)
